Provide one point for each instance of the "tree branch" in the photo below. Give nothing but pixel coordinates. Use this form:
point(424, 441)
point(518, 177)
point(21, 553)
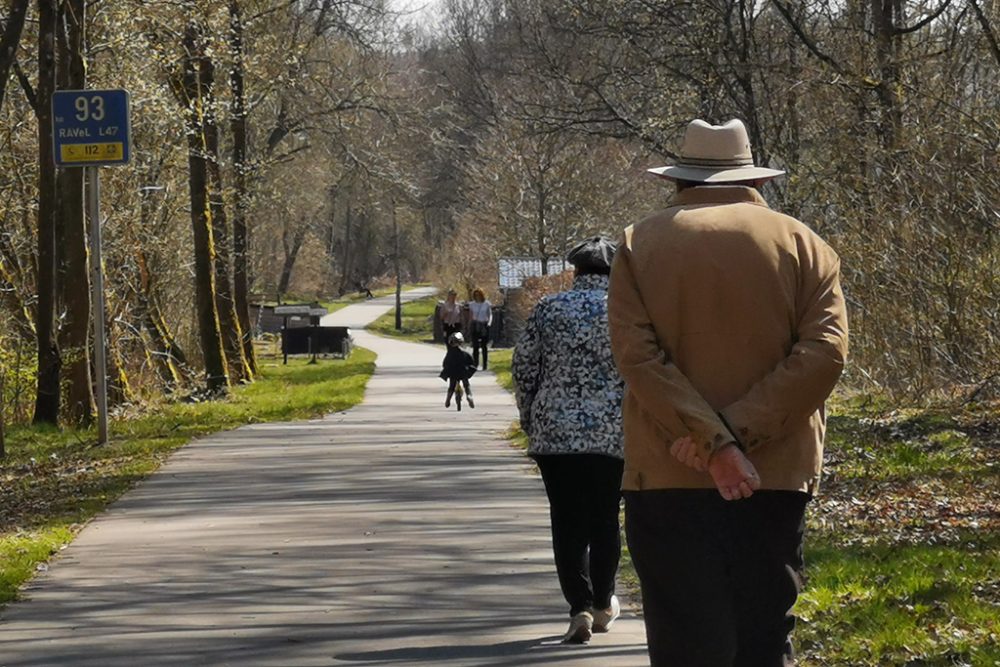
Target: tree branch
point(925, 21)
point(991, 36)
point(29, 92)
point(806, 40)
point(10, 41)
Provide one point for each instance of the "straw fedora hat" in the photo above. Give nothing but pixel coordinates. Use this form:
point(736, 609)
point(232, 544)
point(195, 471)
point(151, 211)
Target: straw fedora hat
point(715, 154)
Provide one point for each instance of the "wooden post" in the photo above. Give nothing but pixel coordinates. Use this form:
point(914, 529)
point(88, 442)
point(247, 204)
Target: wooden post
point(313, 338)
point(284, 339)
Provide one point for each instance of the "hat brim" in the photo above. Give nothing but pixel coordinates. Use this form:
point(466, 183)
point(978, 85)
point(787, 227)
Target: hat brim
point(675, 173)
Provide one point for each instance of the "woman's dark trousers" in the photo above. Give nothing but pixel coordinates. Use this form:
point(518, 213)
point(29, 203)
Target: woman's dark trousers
point(584, 502)
point(718, 577)
point(477, 345)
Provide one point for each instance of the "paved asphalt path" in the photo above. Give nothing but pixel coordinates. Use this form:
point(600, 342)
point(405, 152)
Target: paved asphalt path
point(396, 533)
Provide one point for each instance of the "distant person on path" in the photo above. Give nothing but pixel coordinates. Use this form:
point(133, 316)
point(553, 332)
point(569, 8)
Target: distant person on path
point(569, 396)
point(481, 312)
point(451, 315)
point(457, 367)
point(729, 326)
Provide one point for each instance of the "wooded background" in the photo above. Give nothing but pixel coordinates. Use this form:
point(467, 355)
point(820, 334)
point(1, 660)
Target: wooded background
point(302, 148)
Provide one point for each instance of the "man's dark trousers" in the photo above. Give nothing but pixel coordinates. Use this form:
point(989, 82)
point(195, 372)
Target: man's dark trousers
point(718, 577)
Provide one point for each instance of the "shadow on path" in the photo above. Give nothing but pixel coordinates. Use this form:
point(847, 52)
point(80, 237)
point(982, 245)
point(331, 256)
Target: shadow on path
point(395, 533)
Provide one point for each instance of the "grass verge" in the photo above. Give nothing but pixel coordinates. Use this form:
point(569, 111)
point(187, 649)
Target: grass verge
point(417, 321)
point(53, 481)
point(500, 363)
point(903, 542)
point(352, 298)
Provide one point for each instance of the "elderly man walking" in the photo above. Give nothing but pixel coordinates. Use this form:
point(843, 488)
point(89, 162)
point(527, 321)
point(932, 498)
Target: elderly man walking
point(729, 327)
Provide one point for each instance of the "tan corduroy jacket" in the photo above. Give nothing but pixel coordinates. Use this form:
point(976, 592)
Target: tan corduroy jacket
point(727, 323)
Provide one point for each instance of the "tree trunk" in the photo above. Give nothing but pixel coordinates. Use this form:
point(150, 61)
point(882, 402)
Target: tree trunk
point(168, 357)
point(163, 355)
point(232, 336)
point(11, 39)
point(330, 242)
point(3, 416)
point(744, 73)
point(543, 253)
point(119, 389)
point(984, 23)
point(888, 89)
point(47, 396)
point(345, 276)
point(201, 218)
point(241, 231)
point(74, 283)
point(292, 247)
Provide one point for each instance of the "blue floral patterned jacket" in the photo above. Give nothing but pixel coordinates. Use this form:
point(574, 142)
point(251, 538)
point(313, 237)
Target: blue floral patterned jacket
point(568, 390)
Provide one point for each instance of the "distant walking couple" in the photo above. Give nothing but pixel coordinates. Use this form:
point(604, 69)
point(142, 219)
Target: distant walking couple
point(458, 366)
point(687, 370)
point(480, 321)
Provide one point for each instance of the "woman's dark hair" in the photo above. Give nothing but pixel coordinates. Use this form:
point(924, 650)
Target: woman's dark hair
point(593, 256)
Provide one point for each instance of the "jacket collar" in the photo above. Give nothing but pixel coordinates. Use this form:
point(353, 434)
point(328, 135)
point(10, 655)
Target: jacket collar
point(718, 194)
point(591, 281)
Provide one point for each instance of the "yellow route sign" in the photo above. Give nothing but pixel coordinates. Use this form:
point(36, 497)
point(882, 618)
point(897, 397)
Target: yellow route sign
point(92, 152)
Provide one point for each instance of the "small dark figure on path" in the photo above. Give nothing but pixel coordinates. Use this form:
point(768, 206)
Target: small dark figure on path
point(456, 368)
point(451, 315)
point(364, 289)
point(481, 312)
point(569, 395)
point(729, 326)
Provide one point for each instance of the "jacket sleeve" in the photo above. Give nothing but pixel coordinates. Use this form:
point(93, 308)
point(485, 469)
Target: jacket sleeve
point(662, 390)
point(526, 368)
point(803, 380)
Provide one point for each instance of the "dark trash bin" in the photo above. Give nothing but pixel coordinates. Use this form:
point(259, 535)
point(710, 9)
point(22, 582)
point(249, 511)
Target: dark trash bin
point(316, 340)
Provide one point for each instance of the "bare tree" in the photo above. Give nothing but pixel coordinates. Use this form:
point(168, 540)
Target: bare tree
point(74, 283)
point(49, 359)
point(195, 96)
point(241, 168)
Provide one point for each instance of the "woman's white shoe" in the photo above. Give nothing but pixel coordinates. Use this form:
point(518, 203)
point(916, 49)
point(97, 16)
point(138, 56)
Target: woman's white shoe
point(580, 629)
point(603, 618)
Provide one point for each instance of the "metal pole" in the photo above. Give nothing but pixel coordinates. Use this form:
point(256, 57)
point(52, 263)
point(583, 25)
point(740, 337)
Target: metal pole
point(395, 261)
point(97, 301)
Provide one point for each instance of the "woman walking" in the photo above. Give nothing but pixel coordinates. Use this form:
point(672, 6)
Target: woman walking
point(569, 395)
point(451, 315)
point(481, 312)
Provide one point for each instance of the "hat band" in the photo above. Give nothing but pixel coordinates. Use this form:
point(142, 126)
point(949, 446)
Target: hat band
point(714, 163)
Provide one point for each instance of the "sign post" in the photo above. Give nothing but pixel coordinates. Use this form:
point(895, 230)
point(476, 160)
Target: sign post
point(91, 128)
